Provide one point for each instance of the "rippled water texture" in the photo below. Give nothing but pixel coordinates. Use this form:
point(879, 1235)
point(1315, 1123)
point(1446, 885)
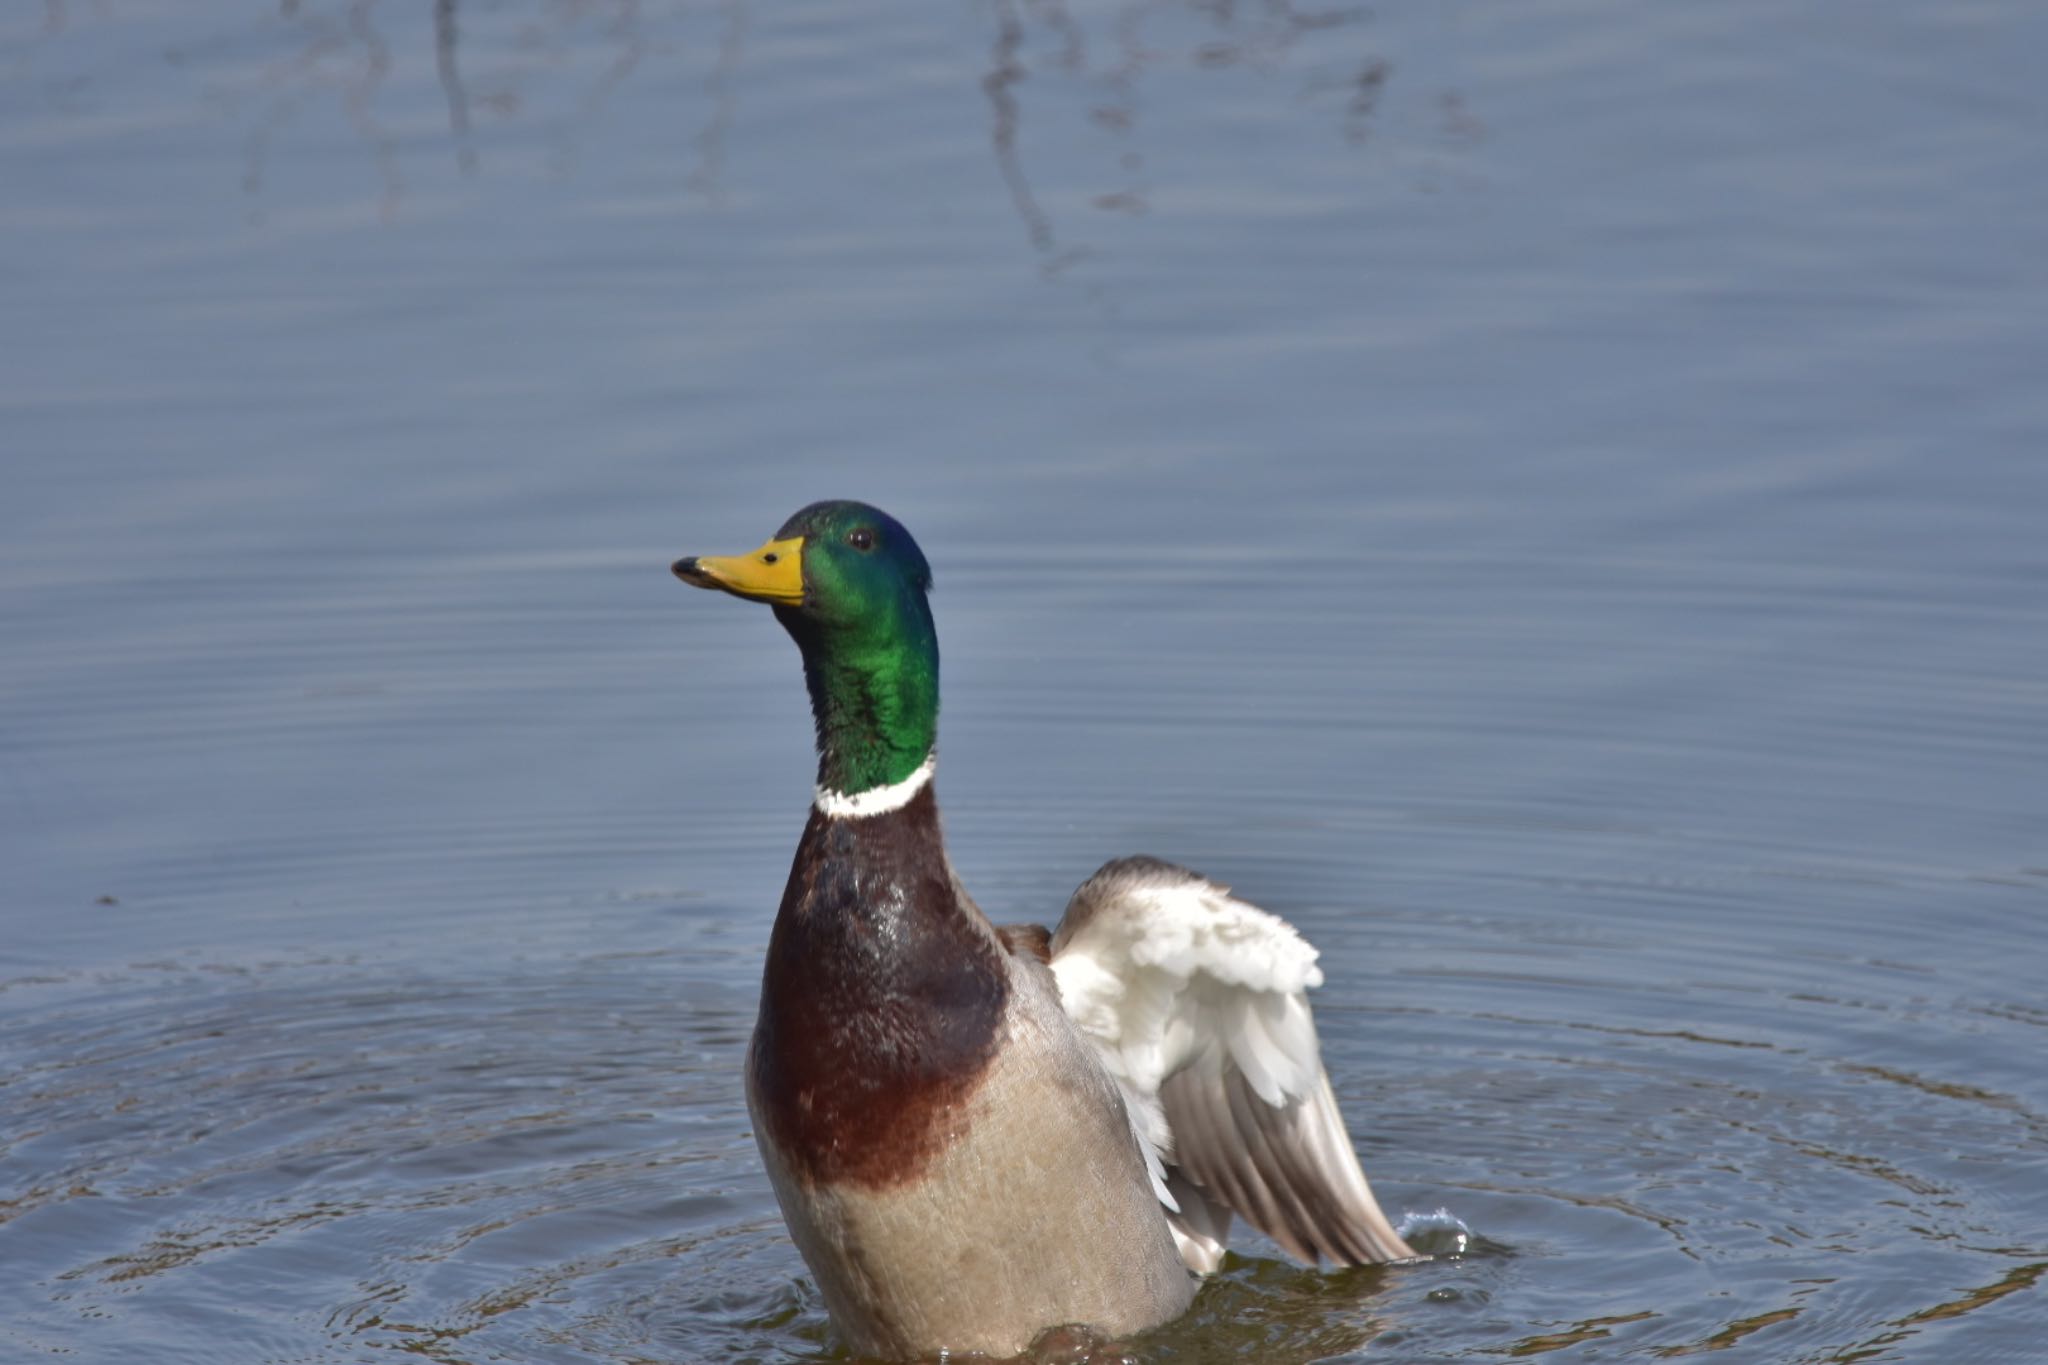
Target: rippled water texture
point(1546, 496)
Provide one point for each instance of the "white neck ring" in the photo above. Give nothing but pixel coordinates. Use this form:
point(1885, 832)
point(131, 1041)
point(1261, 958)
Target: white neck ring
point(875, 800)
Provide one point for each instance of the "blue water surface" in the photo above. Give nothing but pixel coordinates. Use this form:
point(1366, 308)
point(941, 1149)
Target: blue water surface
point(1548, 497)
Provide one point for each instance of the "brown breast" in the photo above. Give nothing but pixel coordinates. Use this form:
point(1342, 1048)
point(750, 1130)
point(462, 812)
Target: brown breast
point(882, 1001)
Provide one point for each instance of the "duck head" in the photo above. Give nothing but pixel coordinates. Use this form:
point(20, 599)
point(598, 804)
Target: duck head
point(849, 584)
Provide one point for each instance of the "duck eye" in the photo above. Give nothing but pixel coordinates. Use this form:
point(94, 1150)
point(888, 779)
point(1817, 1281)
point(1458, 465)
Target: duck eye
point(862, 539)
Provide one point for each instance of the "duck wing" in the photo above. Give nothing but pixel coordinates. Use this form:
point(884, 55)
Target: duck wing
point(1197, 1002)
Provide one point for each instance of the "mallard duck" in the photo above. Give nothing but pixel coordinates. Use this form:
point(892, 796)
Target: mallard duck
point(978, 1133)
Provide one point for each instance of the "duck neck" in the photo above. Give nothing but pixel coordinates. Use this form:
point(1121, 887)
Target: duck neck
point(875, 697)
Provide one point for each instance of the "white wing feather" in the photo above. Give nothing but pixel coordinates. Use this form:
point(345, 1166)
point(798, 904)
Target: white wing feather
point(1197, 1003)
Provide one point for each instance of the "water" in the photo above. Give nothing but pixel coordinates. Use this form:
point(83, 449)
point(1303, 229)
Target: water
point(1546, 497)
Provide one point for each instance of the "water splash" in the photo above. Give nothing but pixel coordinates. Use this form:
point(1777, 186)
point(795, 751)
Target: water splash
point(1438, 1233)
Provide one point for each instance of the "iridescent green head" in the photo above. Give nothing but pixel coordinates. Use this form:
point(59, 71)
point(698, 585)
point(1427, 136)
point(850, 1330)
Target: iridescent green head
point(848, 583)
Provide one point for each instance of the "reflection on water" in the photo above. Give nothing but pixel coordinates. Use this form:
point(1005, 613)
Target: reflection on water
point(447, 31)
point(562, 65)
point(1045, 42)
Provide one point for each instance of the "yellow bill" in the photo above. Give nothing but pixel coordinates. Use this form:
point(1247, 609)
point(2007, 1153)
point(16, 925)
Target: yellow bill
point(773, 573)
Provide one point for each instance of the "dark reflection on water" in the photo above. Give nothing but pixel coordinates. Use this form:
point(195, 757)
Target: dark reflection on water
point(350, 52)
point(447, 31)
point(1147, 37)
